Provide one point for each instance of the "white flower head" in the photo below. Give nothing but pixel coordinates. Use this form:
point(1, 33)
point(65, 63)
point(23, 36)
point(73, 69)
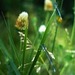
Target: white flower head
point(23, 15)
point(22, 21)
point(42, 28)
point(48, 6)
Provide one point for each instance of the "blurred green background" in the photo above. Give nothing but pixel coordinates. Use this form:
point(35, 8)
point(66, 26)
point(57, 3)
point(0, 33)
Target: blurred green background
point(9, 11)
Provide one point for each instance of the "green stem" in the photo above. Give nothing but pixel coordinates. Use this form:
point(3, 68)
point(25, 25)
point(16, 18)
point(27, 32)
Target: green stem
point(47, 18)
point(10, 38)
point(54, 38)
point(73, 29)
point(24, 49)
point(20, 45)
point(61, 5)
point(21, 48)
point(42, 42)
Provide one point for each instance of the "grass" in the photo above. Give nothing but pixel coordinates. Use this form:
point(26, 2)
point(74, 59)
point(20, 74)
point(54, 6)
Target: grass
point(48, 55)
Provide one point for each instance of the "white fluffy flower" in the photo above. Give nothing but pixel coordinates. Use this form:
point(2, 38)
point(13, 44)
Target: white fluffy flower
point(22, 21)
point(23, 15)
point(42, 28)
point(48, 6)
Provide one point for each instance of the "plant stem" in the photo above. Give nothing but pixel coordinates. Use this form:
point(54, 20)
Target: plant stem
point(21, 48)
point(24, 49)
point(12, 45)
point(47, 17)
point(59, 14)
point(61, 5)
point(21, 45)
point(42, 42)
point(54, 38)
point(73, 29)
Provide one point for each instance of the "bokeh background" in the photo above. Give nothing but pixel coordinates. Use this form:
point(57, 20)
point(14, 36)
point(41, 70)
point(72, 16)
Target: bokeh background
point(9, 11)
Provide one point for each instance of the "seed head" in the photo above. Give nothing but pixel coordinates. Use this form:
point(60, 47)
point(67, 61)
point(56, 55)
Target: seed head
point(48, 6)
point(22, 21)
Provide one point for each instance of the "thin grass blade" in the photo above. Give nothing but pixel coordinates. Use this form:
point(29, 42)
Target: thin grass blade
point(42, 42)
point(8, 56)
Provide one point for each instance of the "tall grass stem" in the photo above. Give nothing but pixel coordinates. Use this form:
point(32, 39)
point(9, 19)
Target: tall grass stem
point(73, 29)
point(42, 42)
point(24, 50)
point(54, 38)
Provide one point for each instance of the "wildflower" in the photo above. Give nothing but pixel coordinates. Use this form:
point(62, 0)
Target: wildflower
point(42, 28)
point(48, 6)
point(22, 21)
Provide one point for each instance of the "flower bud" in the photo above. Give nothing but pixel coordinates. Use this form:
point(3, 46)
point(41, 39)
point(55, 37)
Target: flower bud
point(22, 21)
point(59, 19)
point(48, 6)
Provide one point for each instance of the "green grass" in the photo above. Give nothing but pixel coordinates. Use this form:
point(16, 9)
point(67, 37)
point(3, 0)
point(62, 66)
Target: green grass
point(35, 55)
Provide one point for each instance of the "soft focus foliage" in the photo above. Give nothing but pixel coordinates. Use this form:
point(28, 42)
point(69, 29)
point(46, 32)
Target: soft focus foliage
point(42, 41)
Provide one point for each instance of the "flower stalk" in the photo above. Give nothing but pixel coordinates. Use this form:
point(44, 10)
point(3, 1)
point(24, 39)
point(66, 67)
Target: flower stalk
point(24, 49)
point(42, 42)
point(22, 24)
point(73, 29)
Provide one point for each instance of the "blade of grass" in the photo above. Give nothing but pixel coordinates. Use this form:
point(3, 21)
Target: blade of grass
point(6, 23)
point(3, 49)
point(12, 44)
point(73, 29)
point(10, 71)
point(47, 17)
point(61, 5)
point(10, 38)
point(24, 49)
point(54, 38)
point(8, 56)
point(13, 48)
point(59, 14)
point(14, 67)
point(42, 42)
